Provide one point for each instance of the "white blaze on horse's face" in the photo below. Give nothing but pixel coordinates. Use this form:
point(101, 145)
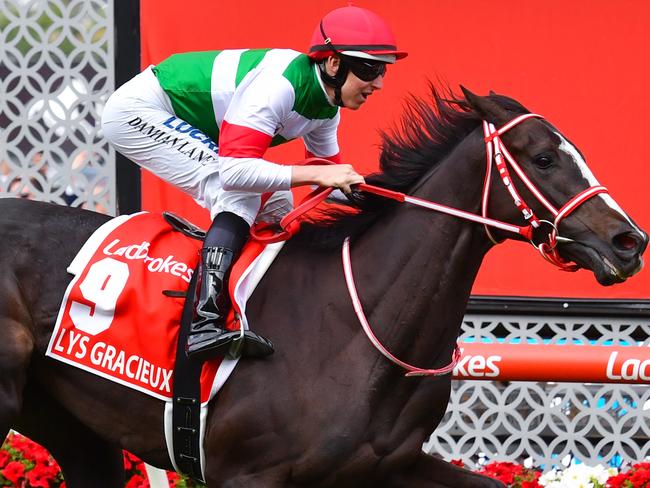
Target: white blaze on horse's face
point(571, 150)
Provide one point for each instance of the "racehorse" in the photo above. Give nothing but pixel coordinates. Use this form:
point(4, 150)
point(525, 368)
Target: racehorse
point(327, 409)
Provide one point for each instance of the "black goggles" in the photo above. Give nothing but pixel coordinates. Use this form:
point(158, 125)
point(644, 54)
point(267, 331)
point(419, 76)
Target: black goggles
point(364, 69)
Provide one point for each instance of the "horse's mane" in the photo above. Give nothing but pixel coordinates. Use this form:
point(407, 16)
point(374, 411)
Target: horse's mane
point(428, 130)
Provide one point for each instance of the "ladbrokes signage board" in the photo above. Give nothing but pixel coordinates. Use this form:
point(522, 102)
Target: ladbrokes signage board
point(529, 362)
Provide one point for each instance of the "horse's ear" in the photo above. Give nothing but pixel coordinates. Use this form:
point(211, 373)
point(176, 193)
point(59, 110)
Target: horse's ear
point(486, 108)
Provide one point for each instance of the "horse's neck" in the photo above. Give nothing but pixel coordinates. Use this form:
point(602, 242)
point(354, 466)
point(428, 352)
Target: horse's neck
point(415, 270)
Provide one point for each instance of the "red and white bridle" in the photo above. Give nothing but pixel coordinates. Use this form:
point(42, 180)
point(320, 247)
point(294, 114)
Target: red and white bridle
point(495, 152)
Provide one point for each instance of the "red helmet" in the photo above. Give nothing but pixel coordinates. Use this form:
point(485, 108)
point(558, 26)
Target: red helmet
point(356, 32)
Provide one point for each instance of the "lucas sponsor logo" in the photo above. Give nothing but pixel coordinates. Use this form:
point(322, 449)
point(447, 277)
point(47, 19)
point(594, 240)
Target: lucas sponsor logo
point(630, 369)
point(183, 127)
point(154, 265)
point(478, 366)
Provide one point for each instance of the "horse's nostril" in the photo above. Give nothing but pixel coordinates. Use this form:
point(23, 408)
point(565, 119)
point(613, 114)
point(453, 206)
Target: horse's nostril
point(627, 241)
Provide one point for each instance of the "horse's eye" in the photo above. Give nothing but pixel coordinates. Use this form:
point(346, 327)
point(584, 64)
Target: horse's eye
point(543, 162)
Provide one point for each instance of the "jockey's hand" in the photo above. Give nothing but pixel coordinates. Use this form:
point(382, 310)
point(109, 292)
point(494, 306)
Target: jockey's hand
point(341, 176)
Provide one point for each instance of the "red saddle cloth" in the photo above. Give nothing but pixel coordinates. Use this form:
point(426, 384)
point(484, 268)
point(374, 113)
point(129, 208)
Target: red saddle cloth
point(115, 320)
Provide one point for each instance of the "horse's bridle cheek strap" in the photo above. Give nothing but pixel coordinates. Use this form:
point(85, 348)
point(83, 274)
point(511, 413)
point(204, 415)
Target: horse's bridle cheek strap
point(496, 151)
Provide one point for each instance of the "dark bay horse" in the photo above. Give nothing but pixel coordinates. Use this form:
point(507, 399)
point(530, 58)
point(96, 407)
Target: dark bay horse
point(326, 410)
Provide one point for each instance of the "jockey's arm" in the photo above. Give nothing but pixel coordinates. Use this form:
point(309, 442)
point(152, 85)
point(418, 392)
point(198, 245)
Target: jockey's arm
point(337, 175)
point(242, 167)
point(246, 134)
point(323, 143)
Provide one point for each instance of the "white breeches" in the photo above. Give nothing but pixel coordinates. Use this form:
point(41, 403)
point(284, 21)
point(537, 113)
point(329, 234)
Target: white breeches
point(138, 120)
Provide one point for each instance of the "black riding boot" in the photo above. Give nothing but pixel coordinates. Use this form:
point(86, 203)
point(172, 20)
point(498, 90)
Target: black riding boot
point(208, 336)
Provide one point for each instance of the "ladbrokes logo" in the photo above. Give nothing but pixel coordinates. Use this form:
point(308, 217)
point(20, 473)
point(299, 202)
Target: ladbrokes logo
point(629, 370)
point(154, 265)
point(478, 366)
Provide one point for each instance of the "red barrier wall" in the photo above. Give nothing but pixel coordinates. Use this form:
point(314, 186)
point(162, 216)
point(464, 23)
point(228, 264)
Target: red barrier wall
point(582, 64)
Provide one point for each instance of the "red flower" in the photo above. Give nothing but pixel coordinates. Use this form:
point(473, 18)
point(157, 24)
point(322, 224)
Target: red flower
point(458, 462)
point(617, 481)
point(173, 476)
point(43, 474)
point(39, 455)
point(640, 477)
point(4, 458)
point(38, 478)
point(137, 481)
point(13, 471)
point(530, 484)
point(511, 474)
point(29, 449)
point(130, 461)
point(504, 472)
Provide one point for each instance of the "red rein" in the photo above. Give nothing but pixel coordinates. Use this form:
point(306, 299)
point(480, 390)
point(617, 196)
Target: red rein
point(496, 153)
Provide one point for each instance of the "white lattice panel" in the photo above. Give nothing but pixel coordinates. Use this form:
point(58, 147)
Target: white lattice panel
point(56, 71)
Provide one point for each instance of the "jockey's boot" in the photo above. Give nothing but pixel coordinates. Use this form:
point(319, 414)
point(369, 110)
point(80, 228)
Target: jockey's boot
point(208, 336)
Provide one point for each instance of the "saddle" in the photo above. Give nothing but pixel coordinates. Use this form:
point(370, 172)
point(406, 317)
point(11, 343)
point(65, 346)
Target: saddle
point(184, 226)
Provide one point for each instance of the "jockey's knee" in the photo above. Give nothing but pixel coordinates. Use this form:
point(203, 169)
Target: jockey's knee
point(243, 204)
point(279, 205)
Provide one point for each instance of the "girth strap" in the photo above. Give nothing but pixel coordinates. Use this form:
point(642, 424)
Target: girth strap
point(186, 407)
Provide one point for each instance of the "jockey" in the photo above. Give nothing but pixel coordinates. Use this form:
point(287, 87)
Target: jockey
point(203, 120)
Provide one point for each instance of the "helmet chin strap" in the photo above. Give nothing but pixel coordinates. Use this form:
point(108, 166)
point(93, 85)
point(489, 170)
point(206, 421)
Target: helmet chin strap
point(337, 81)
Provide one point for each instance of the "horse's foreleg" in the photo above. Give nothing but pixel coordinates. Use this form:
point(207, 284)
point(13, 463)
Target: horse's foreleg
point(91, 462)
point(86, 459)
point(431, 472)
point(16, 345)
